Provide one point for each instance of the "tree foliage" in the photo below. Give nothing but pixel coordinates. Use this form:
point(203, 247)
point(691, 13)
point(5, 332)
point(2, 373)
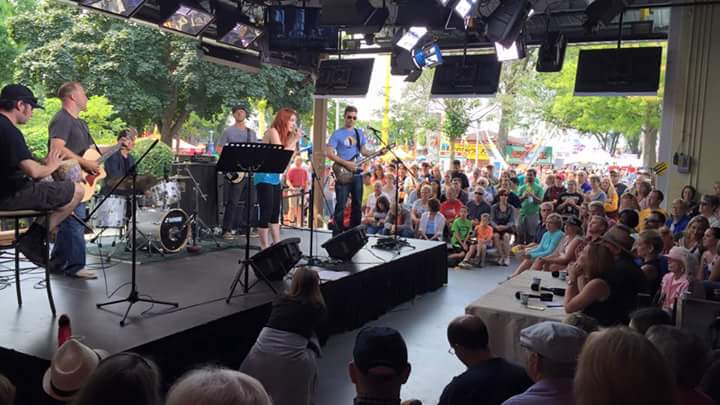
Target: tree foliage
point(151, 77)
point(158, 162)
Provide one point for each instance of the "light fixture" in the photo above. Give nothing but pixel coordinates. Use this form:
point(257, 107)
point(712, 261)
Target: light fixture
point(515, 51)
point(411, 38)
point(506, 22)
point(241, 35)
point(465, 8)
point(123, 8)
point(186, 16)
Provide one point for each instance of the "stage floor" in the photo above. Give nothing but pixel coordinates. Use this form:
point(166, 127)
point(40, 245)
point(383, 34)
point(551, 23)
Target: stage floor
point(200, 285)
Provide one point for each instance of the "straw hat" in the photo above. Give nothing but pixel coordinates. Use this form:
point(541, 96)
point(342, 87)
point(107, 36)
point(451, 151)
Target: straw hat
point(70, 369)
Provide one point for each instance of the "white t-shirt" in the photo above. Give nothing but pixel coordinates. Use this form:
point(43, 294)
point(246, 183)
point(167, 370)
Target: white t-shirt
point(373, 199)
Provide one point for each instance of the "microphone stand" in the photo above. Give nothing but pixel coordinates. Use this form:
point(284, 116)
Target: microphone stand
point(312, 260)
point(134, 295)
point(394, 242)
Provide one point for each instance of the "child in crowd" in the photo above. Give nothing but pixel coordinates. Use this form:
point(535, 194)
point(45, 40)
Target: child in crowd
point(484, 236)
point(681, 263)
point(432, 222)
point(461, 231)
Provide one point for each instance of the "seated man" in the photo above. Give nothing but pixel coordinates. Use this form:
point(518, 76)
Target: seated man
point(488, 380)
point(554, 348)
point(18, 170)
point(379, 367)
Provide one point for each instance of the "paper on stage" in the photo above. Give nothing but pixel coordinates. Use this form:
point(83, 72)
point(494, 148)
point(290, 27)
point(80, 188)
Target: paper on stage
point(327, 275)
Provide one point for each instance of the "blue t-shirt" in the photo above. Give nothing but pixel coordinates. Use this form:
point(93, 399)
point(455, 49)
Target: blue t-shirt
point(430, 228)
point(344, 141)
point(269, 178)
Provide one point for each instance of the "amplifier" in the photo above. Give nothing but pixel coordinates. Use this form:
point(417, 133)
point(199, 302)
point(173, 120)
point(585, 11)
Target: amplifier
point(206, 176)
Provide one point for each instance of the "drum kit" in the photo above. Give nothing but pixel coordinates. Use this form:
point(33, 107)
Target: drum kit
point(160, 226)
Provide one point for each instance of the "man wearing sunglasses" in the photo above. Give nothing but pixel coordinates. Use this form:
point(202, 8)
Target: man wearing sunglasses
point(345, 145)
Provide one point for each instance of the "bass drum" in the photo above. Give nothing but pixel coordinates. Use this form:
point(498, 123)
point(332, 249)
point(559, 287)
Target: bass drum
point(165, 230)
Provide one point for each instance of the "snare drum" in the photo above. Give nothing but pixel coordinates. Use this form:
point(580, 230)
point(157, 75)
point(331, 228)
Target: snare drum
point(111, 214)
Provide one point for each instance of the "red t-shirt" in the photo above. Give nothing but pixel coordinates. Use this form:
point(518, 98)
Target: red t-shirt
point(298, 177)
point(450, 209)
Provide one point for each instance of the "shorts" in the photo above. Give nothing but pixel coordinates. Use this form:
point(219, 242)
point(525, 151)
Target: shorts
point(295, 196)
point(40, 196)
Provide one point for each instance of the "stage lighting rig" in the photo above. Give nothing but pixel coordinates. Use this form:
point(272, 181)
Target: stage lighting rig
point(411, 38)
point(122, 8)
point(428, 55)
point(507, 21)
point(515, 51)
point(185, 16)
point(236, 29)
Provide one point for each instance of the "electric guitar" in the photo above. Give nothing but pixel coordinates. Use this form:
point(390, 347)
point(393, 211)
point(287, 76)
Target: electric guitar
point(345, 176)
point(71, 170)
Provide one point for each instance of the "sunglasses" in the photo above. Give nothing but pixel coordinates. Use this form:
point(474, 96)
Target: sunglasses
point(351, 117)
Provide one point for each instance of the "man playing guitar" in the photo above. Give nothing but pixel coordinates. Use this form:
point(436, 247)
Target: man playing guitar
point(70, 136)
point(344, 146)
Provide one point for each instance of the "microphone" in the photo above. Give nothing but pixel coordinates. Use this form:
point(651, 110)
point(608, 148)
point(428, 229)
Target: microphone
point(542, 296)
point(560, 292)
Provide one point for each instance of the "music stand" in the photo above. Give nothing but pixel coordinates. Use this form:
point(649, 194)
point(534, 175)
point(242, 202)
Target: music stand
point(251, 158)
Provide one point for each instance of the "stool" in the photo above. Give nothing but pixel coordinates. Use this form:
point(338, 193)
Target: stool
point(16, 216)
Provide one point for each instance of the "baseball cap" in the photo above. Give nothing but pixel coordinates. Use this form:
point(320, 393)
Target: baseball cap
point(377, 346)
point(573, 220)
point(239, 107)
point(18, 92)
point(554, 340)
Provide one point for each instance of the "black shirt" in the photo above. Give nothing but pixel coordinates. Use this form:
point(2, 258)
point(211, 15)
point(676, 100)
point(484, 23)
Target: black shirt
point(117, 165)
point(569, 209)
point(73, 131)
point(476, 210)
point(620, 188)
point(295, 316)
point(491, 382)
point(625, 280)
point(13, 150)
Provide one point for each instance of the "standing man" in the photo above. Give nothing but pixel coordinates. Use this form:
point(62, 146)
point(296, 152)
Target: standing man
point(297, 181)
point(18, 169)
point(236, 192)
point(531, 195)
point(344, 146)
point(70, 136)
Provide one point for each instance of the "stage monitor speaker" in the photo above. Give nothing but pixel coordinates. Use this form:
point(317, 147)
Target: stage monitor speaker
point(277, 260)
point(347, 244)
point(206, 176)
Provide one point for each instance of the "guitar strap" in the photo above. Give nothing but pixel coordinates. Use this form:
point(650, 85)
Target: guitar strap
point(357, 137)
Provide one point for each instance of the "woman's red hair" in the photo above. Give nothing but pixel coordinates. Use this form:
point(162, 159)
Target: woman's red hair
point(281, 123)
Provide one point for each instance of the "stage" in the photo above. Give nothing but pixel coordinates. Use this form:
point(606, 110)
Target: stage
point(204, 329)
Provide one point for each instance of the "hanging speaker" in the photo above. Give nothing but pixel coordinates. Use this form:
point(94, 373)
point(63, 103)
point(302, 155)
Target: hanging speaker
point(345, 245)
point(277, 260)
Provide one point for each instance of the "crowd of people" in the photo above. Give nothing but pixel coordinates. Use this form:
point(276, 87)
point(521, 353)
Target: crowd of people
point(649, 362)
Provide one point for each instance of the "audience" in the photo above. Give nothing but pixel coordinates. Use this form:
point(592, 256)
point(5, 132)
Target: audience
point(553, 352)
point(565, 252)
point(687, 356)
point(461, 231)
point(375, 221)
point(709, 205)
point(502, 219)
point(380, 366)
point(654, 199)
point(531, 195)
point(488, 379)
point(483, 240)
point(642, 319)
point(648, 248)
point(284, 357)
point(710, 254)
point(692, 240)
point(547, 246)
point(681, 265)
point(582, 321)
point(679, 219)
point(7, 391)
point(121, 379)
point(689, 196)
point(403, 222)
point(218, 386)
point(420, 206)
point(618, 366)
point(478, 206)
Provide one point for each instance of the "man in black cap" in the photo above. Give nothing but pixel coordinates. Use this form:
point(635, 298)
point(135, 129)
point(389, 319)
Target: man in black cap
point(488, 379)
point(18, 169)
point(380, 367)
point(235, 187)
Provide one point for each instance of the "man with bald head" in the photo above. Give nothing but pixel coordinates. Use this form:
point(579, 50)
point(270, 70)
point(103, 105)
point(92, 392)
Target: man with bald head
point(488, 379)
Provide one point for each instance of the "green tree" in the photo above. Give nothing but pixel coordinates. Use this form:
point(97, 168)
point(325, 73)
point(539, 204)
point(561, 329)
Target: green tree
point(157, 162)
point(100, 117)
point(457, 121)
point(149, 76)
point(8, 48)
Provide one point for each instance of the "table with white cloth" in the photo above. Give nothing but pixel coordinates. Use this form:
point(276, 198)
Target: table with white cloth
point(505, 316)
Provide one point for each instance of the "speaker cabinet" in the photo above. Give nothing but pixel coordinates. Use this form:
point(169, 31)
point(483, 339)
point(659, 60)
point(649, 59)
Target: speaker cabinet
point(345, 245)
point(277, 260)
point(206, 175)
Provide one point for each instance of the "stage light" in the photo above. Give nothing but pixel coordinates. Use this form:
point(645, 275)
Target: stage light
point(427, 56)
point(187, 17)
point(506, 22)
point(515, 51)
point(123, 8)
point(465, 8)
point(552, 53)
point(411, 38)
point(241, 35)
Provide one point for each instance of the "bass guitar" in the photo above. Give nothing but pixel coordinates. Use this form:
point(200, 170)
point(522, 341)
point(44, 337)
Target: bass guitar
point(71, 170)
point(345, 176)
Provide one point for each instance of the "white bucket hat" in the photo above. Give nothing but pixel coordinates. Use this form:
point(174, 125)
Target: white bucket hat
point(70, 368)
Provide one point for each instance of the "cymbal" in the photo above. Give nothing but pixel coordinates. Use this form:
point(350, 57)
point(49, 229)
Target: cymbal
point(179, 177)
point(142, 184)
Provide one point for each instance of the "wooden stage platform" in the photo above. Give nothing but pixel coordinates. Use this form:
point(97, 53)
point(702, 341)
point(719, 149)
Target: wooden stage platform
point(204, 329)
